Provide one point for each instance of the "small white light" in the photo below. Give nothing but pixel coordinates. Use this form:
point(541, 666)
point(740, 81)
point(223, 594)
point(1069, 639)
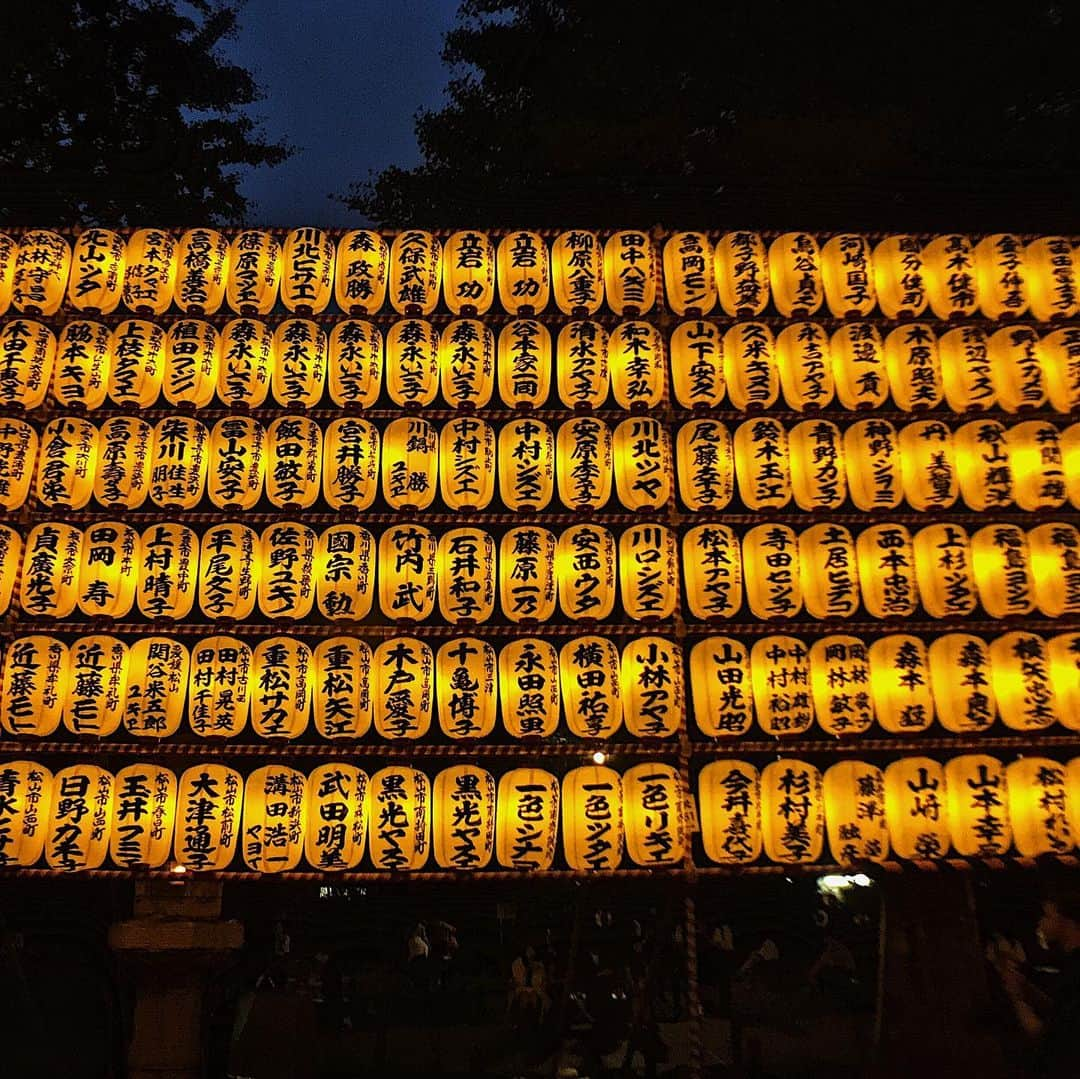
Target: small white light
point(861, 880)
point(178, 869)
point(834, 880)
point(599, 757)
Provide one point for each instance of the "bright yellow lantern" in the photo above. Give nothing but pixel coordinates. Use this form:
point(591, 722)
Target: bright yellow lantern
point(585, 572)
point(828, 572)
point(1038, 810)
point(524, 363)
point(1020, 670)
point(307, 271)
point(916, 809)
point(584, 459)
point(712, 571)
point(652, 803)
point(750, 369)
point(208, 807)
point(771, 571)
point(965, 369)
point(350, 464)
point(247, 363)
point(1061, 369)
point(27, 356)
point(274, 820)
point(527, 574)
point(202, 270)
point(982, 465)
point(41, 273)
point(169, 573)
point(144, 812)
point(1070, 453)
point(1051, 278)
point(792, 812)
point(795, 274)
point(577, 272)
point(467, 688)
point(780, 680)
point(410, 463)
point(524, 273)
point(77, 834)
point(648, 572)
point(219, 691)
point(286, 587)
point(399, 831)
point(858, 364)
point(124, 458)
point(97, 686)
point(109, 562)
point(928, 465)
point(158, 673)
point(466, 463)
point(526, 459)
point(28, 790)
point(592, 819)
point(630, 273)
point(467, 364)
point(872, 456)
point(705, 463)
point(237, 463)
point(282, 681)
point(978, 804)
point(762, 464)
point(651, 680)
point(412, 363)
point(818, 476)
point(294, 454)
point(337, 808)
point(636, 365)
point(900, 684)
point(464, 817)
point(299, 369)
point(720, 687)
point(847, 273)
point(10, 565)
point(465, 570)
point(949, 268)
point(527, 819)
point(354, 374)
point(81, 371)
point(415, 271)
point(403, 688)
point(581, 364)
point(1001, 562)
point(178, 462)
point(407, 573)
point(230, 565)
point(66, 464)
point(900, 277)
point(18, 458)
point(362, 272)
point(343, 684)
point(345, 573)
point(729, 809)
point(192, 363)
point(9, 250)
point(254, 273)
point(1036, 465)
point(943, 571)
point(1055, 568)
point(589, 679)
point(149, 271)
point(913, 367)
point(468, 268)
point(960, 677)
point(529, 687)
point(742, 274)
point(138, 364)
point(35, 686)
point(689, 277)
point(855, 812)
point(697, 364)
point(840, 685)
point(1001, 276)
point(49, 586)
point(805, 366)
point(1017, 368)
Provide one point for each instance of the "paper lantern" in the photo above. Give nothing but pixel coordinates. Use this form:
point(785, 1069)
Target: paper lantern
point(138, 364)
point(982, 465)
point(403, 688)
point(720, 687)
point(729, 808)
point(466, 463)
point(274, 821)
point(299, 370)
point(66, 464)
point(169, 572)
point(589, 679)
point(124, 458)
point(592, 819)
point(818, 475)
point(202, 271)
point(585, 572)
point(50, 570)
point(943, 571)
point(407, 573)
point(648, 572)
point(643, 464)
point(524, 273)
point(771, 571)
point(1001, 562)
point(1020, 671)
point(524, 363)
point(350, 464)
point(1017, 368)
point(361, 274)
point(410, 463)
point(208, 806)
point(860, 375)
point(178, 462)
point(527, 819)
point(636, 365)
point(712, 571)
point(978, 804)
point(1055, 568)
point(81, 370)
point(847, 275)
point(577, 272)
point(653, 815)
point(928, 465)
point(526, 459)
point(689, 277)
point(219, 690)
point(97, 686)
point(780, 682)
point(742, 274)
point(1072, 779)
point(192, 363)
point(1064, 654)
point(1037, 809)
point(412, 363)
point(230, 565)
point(916, 809)
point(468, 270)
point(1070, 454)
point(795, 274)
point(960, 678)
point(840, 685)
point(293, 462)
point(965, 369)
point(18, 457)
point(10, 565)
point(80, 813)
point(144, 812)
point(342, 692)
point(336, 810)
point(466, 363)
point(27, 789)
point(1036, 465)
point(464, 817)
point(900, 277)
point(872, 457)
point(307, 271)
point(465, 569)
point(750, 369)
point(697, 365)
point(158, 673)
point(527, 574)
point(109, 561)
point(9, 250)
point(1000, 276)
point(630, 272)
point(949, 270)
point(286, 579)
point(913, 367)
point(149, 271)
point(762, 464)
point(805, 366)
point(35, 686)
point(900, 684)
point(41, 272)
point(27, 356)
point(584, 456)
point(399, 830)
point(651, 687)
point(415, 270)
point(705, 462)
point(855, 812)
point(529, 687)
point(345, 573)
point(1061, 369)
point(236, 464)
point(1050, 278)
point(247, 363)
point(581, 361)
point(282, 682)
point(828, 573)
point(354, 373)
point(792, 812)
point(254, 272)
point(467, 694)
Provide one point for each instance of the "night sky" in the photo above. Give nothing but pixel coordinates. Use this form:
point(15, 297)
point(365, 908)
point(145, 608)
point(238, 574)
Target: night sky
point(342, 81)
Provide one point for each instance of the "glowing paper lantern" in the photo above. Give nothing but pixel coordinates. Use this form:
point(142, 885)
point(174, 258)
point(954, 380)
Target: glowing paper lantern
point(41, 272)
point(467, 463)
point(792, 812)
point(978, 810)
point(158, 673)
point(299, 369)
point(712, 571)
point(247, 363)
point(949, 269)
point(1061, 369)
point(138, 364)
point(1070, 453)
point(254, 272)
point(410, 463)
point(872, 456)
point(178, 462)
point(697, 364)
point(1001, 562)
point(960, 677)
point(965, 369)
point(1000, 276)
point(208, 806)
point(913, 366)
point(50, 570)
point(581, 362)
point(900, 277)
point(527, 819)
point(109, 562)
point(282, 682)
point(1036, 465)
point(230, 565)
point(337, 816)
point(529, 688)
point(465, 569)
point(68, 457)
point(858, 363)
point(464, 817)
point(354, 373)
point(524, 273)
point(28, 789)
point(1038, 811)
point(585, 572)
point(577, 272)
point(1055, 568)
point(780, 681)
point(81, 370)
point(795, 274)
point(720, 687)
point(169, 572)
point(943, 571)
point(771, 571)
point(415, 270)
point(589, 679)
point(468, 269)
point(1020, 671)
point(524, 363)
point(466, 361)
point(293, 462)
point(643, 464)
point(828, 572)
point(742, 274)
point(10, 564)
point(122, 475)
point(705, 463)
point(361, 273)
point(982, 465)
point(847, 274)
point(855, 812)
point(18, 457)
point(144, 812)
point(1017, 368)
point(526, 459)
point(412, 363)
point(928, 465)
point(274, 819)
point(307, 271)
point(35, 686)
point(750, 369)
point(762, 464)
point(1051, 278)
point(407, 573)
point(527, 574)
point(202, 270)
point(149, 271)
point(916, 809)
point(630, 272)
point(805, 366)
point(467, 694)
point(818, 476)
point(1064, 653)
point(584, 457)
point(900, 684)
point(345, 573)
point(219, 691)
point(350, 464)
point(9, 250)
point(286, 587)
point(399, 831)
point(97, 686)
point(77, 834)
point(27, 356)
point(729, 808)
point(237, 463)
point(652, 801)
point(689, 277)
point(636, 365)
point(403, 688)
point(342, 695)
point(840, 685)
point(192, 363)
point(592, 819)
point(648, 572)
point(651, 687)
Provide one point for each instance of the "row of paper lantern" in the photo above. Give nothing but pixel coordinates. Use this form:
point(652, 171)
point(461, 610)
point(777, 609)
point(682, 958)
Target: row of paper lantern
point(191, 363)
point(99, 682)
point(999, 277)
point(294, 463)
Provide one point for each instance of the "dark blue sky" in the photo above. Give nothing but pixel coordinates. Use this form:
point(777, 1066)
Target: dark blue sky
point(343, 80)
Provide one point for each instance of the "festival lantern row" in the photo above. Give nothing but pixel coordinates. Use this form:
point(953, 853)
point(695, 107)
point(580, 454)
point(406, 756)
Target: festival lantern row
point(191, 363)
point(1000, 276)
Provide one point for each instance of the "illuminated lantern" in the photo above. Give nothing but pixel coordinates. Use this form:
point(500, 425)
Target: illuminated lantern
point(1051, 278)
point(581, 363)
point(913, 367)
point(795, 274)
point(307, 271)
point(399, 829)
point(818, 477)
point(109, 563)
point(900, 277)
point(467, 363)
point(982, 465)
point(524, 363)
point(643, 464)
point(10, 564)
point(805, 366)
point(858, 365)
point(1001, 562)
point(943, 571)
point(27, 355)
point(50, 570)
point(592, 819)
point(771, 571)
point(149, 271)
point(274, 819)
point(138, 364)
point(81, 371)
point(828, 573)
point(122, 475)
point(342, 694)
point(178, 462)
point(855, 812)
point(966, 378)
point(158, 673)
point(1061, 369)
point(527, 819)
point(336, 801)
point(254, 272)
point(1020, 672)
point(780, 682)
point(293, 462)
point(1064, 653)
point(247, 363)
point(230, 565)
point(41, 273)
point(577, 273)
point(872, 456)
point(464, 817)
point(410, 463)
point(35, 686)
point(1055, 568)
point(916, 809)
point(651, 687)
point(900, 684)
point(585, 456)
point(840, 685)
point(219, 689)
point(729, 809)
point(208, 806)
point(960, 678)
point(412, 363)
point(192, 363)
point(144, 812)
point(697, 365)
point(1017, 368)
point(1072, 794)
point(949, 271)
point(9, 249)
point(345, 573)
point(65, 471)
point(28, 790)
point(77, 834)
point(648, 572)
point(978, 804)
point(742, 274)
point(286, 587)
point(299, 368)
point(18, 457)
point(585, 572)
point(1038, 807)
point(354, 374)
point(97, 686)
point(712, 571)
point(792, 812)
point(415, 270)
point(466, 463)
point(524, 273)
point(466, 677)
point(282, 682)
point(762, 464)
point(468, 272)
point(653, 815)
point(1070, 452)
point(407, 573)
point(361, 273)
point(169, 572)
point(350, 464)
point(527, 574)
point(705, 462)
point(636, 366)
point(1036, 465)
point(529, 688)
point(630, 273)
point(750, 370)
point(589, 678)
point(847, 274)
point(928, 465)
point(465, 569)
point(1000, 276)
point(720, 687)
point(689, 277)
point(237, 463)
point(202, 271)
point(526, 465)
